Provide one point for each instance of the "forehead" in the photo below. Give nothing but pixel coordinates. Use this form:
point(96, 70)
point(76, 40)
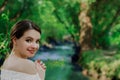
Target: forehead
point(32, 33)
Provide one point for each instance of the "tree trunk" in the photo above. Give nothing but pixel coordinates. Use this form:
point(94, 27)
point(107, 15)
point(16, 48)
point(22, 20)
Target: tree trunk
point(86, 27)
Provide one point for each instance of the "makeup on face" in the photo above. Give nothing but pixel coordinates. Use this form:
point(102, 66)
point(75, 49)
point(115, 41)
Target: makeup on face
point(28, 44)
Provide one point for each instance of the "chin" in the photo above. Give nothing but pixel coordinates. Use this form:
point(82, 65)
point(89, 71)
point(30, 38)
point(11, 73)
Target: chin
point(31, 55)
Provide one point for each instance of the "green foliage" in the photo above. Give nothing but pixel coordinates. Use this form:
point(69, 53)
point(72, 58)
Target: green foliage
point(3, 46)
point(13, 7)
point(1, 1)
point(102, 64)
point(4, 31)
point(67, 12)
point(104, 16)
point(4, 23)
point(88, 56)
point(114, 36)
point(50, 25)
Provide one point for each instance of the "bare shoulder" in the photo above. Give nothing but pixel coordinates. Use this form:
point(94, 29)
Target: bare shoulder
point(20, 65)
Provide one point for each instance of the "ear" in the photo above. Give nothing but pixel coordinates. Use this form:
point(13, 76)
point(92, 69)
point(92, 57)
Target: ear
point(14, 40)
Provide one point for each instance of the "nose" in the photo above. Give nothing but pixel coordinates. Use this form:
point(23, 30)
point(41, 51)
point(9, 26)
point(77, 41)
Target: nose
point(35, 46)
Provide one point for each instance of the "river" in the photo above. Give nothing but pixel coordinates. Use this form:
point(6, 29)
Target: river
point(58, 62)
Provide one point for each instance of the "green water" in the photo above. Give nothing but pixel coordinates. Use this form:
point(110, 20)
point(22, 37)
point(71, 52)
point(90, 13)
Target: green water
point(59, 70)
point(58, 62)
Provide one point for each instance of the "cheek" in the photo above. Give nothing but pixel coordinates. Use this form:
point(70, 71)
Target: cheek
point(23, 45)
point(38, 46)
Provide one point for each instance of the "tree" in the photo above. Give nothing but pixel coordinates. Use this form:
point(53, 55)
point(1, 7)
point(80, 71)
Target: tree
point(86, 27)
point(104, 16)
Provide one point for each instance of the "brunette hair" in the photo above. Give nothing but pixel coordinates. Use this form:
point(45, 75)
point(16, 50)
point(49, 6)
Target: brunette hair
point(20, 28)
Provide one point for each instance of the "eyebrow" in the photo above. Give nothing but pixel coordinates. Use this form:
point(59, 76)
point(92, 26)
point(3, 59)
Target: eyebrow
point(31, 37)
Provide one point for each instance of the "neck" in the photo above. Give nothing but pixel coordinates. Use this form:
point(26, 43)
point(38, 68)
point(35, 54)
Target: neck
point(18, 55)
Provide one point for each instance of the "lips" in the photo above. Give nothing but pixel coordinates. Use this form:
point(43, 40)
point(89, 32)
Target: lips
point(31, 51)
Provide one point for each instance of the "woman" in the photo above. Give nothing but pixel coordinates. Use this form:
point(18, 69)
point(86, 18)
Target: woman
point(25, 37)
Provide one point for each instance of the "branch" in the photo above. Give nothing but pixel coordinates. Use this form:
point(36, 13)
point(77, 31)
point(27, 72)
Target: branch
point(19, 12)
point(114, 18)
point(109, 26)
point(2, 8)
point(66, 26)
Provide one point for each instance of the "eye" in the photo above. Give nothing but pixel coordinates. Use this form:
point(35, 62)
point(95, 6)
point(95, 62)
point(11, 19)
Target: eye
point(29, 40)
point(37, 41)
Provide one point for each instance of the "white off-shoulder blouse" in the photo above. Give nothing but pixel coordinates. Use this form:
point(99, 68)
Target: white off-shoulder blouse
point(14, 75)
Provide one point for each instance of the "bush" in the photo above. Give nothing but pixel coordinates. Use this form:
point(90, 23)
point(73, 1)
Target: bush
point(102, 64)
point(3, 47)
point(114, 36)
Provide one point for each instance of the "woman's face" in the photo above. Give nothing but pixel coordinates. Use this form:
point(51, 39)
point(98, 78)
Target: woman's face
point(27, 45)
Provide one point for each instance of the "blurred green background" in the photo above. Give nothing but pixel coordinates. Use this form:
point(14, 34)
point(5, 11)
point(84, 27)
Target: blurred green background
point(80, 38)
